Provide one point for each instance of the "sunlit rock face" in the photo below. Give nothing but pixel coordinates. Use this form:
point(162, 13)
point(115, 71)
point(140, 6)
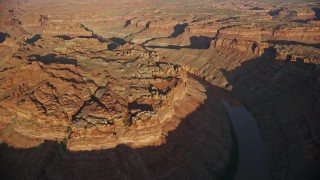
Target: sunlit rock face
point(79, 92)
point(79, 100)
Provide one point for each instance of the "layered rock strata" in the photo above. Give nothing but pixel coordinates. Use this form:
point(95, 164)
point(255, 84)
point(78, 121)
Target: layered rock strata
point(79, 92)
point(282, 95)
point(68, 101)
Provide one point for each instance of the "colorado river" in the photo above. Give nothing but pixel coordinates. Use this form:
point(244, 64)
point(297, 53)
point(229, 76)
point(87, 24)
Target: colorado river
point(253, 162)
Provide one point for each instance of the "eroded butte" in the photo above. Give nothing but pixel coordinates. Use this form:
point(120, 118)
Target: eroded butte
point(80, 95)
point(108, 88)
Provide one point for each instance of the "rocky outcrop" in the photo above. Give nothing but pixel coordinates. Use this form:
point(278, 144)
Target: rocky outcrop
point(297, 14)
point(69, 30)
point(268, 87)
point(204, 151)
point(239, 45)
point(297, 34)
point(297, 53)
point(69, 103)
point(203, 30)
point(256, 40)
point(92, 103)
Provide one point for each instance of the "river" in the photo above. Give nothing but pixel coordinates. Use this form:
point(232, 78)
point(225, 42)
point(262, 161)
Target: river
point(253, 164)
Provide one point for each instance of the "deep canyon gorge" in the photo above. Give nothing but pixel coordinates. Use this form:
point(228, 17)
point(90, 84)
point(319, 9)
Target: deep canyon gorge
point(147, 89)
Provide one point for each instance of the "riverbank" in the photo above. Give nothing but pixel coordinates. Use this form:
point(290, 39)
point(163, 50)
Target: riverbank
point(248, 159)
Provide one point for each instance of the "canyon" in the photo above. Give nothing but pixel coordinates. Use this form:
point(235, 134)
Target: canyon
point(111, 89)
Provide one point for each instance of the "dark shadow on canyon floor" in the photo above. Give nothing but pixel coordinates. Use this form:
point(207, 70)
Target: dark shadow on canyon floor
point(3, 36)
point(317, 13)
point(178, 29)
point(118, 40)
point(52, 58)
point(196, 42)
point(67, 38)
point(283, 96)
point(33, 39)
point(189, 152)
point(275, 12)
